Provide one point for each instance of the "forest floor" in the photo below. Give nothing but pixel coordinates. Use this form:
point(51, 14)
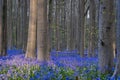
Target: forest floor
point(65, 58)
point(65, 65)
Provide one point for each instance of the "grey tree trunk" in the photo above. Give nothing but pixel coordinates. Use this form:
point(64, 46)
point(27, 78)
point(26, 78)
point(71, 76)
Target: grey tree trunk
point(80, 32)
point(57, 25)
point(92, 34)
point(106, 25)
point(9, 31)
point(42, 29)
point(68, 15)
point(26, 16)
point(50, 11)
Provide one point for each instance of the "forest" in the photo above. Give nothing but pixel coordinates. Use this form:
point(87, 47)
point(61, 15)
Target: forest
point(59, 39)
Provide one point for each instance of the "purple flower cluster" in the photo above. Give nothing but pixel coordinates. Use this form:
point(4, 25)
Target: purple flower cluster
point(60, 65)
point(71, 59)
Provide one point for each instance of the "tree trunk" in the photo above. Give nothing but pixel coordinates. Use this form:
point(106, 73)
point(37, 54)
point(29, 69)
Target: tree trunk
point(31, 43)
point(26, 16)
point(80, 32)
point(68, 15)
point(4, 29)
point(57, 25)
point(42, 47)
point(1, 27)
point(92, 29)
point(106, 25)
point(117, 68)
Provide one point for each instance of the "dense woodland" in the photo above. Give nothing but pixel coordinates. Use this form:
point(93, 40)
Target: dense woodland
point(59, 39)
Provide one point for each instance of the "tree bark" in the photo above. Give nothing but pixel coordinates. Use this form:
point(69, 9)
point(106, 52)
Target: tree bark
point(92, 34)
point(117, 67)
point(4, 29)
point(80, 32)
point(31, 43)
point(1, 26)
point(106, 25)
point(42, 29)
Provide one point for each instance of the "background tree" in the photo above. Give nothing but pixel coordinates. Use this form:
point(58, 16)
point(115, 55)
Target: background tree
point(68, 30)
point(4, 29)
point(57, 14)
point(80, 31)
point(0, 27)
point(92, 27)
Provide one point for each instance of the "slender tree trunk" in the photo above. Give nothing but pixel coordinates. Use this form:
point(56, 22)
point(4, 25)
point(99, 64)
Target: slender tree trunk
point(4, 29)
point(26, 17)
point(1, 27)
point(92, 29)
point(80, 32)
point(8, 22)
point(72, 26)
point(57, 25)
point(54, 25)
point(68, 15)
point(49, 15)
point(31, 44)
point(12, 25)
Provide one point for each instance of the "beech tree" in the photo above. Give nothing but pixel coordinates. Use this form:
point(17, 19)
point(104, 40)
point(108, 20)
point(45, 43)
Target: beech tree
point(106, 25)
point(31, 43)
point(42, 31)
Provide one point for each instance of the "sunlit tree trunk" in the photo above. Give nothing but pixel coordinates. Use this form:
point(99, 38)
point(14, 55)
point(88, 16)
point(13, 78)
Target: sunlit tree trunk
point(31, 43)
point(42, 29)
point(106, 26)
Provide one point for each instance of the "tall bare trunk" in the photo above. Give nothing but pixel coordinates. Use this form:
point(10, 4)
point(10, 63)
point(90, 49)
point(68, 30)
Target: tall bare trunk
point(92, 29)
point(0, 27)
point(80, 32)
point(106, 25)
point(31, 43)
point(4, 29)
point(42, 29)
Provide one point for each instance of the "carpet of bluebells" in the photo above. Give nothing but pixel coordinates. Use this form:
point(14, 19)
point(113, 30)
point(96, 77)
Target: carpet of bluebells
point(65, 65)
